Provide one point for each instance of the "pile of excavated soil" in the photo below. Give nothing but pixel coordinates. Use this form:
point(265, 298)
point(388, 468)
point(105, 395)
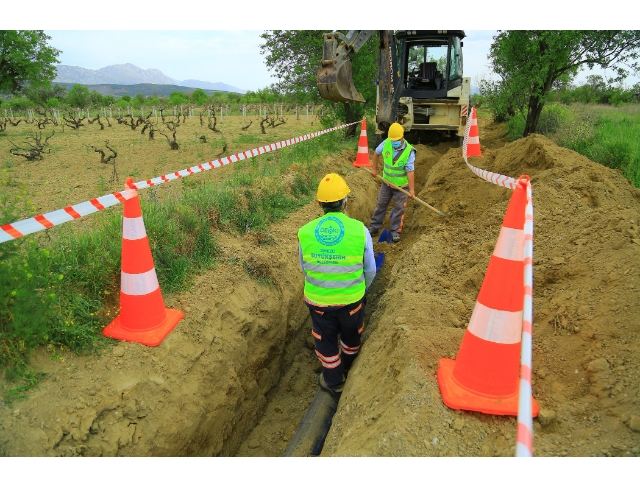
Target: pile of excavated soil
point(237, 374)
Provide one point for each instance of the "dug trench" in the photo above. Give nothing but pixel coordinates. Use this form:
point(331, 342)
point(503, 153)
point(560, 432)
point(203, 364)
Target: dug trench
point(237, 374)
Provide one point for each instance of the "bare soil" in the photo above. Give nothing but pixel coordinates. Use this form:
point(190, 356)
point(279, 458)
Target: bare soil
point(237, 374)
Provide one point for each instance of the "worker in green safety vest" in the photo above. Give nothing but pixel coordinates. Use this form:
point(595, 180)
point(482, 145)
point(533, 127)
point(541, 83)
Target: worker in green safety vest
point(398, 157)
point(336, 257)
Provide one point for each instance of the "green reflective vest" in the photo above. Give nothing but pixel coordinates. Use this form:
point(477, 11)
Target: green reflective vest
point(394, 171)
point(332, 259)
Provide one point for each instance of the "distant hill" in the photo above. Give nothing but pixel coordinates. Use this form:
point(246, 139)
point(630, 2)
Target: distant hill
point(146, 89)
point(130, 74)
point(206, 85)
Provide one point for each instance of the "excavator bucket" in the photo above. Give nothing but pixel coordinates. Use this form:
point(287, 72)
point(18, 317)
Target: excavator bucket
point(335, 78)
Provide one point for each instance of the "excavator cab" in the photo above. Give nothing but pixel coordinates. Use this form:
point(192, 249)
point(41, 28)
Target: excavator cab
point(430, 61)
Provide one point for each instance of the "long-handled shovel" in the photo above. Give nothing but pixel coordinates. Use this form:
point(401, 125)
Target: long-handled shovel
point(385, 235)
point(407, 193)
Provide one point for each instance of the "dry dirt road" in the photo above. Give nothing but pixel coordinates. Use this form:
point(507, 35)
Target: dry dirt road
point(237, 374)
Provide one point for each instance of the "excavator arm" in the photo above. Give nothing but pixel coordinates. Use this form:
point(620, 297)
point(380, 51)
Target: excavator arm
point(335, 76)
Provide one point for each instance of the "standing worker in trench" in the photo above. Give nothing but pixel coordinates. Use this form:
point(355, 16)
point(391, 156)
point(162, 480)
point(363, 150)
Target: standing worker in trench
point(336, 257)
point(398, 157)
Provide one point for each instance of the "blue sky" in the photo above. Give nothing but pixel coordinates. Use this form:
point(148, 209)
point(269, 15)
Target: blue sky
point(146, 37)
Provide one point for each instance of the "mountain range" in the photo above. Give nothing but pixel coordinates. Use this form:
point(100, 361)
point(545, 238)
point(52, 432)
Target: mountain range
point(130, 74)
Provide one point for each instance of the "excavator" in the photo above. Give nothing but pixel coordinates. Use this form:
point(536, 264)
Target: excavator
point(420, 82)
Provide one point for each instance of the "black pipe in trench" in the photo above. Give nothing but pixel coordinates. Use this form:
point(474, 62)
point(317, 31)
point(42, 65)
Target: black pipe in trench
point(309, 438)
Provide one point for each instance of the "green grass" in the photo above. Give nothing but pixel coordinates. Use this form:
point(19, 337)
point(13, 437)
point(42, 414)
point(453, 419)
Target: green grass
point(605, 134)
point(61, 286)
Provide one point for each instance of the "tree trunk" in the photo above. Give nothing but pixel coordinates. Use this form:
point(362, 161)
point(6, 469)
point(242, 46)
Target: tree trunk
point(533, 116)
point(351, 130)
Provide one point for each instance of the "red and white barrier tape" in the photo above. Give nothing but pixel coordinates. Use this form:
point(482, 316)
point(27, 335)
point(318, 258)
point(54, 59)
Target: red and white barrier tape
point(12, 231)
point(524, 436)
point(492, 177)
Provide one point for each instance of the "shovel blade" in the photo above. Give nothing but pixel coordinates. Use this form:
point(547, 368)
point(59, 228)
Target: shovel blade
point(379, 258)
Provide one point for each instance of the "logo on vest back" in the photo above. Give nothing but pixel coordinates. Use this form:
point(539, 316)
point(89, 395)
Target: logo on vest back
point(329, 231)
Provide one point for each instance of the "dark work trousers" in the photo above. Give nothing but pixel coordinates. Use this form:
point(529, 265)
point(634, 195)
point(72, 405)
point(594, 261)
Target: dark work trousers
point(399, 204)
point(348, 322)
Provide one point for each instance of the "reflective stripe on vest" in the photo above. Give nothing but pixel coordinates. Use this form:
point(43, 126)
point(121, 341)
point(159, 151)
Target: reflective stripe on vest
point(332, 259)
point(394, 171)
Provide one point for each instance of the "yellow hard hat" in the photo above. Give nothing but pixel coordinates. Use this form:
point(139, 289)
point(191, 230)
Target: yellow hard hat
point(396, 131)
point(332, 188)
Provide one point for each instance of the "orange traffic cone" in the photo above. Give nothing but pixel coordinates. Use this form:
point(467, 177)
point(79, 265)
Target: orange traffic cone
point(484, 375)
point(143, 317)
point(362, 157)
point(473, 140)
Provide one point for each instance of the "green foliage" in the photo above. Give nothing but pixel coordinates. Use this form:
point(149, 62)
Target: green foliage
point(199, 97)
point(52, 103)
point(553, 116)
point(178, 98)
point(597, 90)
point(40, 95)
point(529, 63)
point(126, 98)
point(604, 134)
point(78, 96)
point(295, 56)
point(18, 103)
point(28, 288)
point(25, 58)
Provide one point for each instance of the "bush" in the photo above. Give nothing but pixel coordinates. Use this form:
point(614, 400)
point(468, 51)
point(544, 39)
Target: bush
point(199, 97)
point(553, 116)
point(178, 98)
point(515, 127)
point(28, 289)
point(18, 103)
point(78, 96)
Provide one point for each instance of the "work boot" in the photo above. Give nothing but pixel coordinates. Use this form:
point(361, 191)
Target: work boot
point(373, 232)
point(395, 237)
point(335, 392)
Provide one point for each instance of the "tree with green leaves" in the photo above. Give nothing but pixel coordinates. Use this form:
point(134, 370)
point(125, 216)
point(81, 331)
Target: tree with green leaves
point(25, 58)
point(40, 95)
point(529, 62)
point(199, 97)
point(78, 96)
point(295, 56)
